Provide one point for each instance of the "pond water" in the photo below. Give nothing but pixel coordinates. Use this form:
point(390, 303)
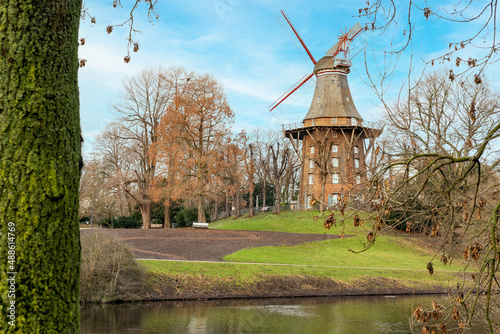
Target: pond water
point(343, 315)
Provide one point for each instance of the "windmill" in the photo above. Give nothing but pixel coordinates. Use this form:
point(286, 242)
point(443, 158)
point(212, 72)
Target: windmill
point(340, 48)
point(332, 133)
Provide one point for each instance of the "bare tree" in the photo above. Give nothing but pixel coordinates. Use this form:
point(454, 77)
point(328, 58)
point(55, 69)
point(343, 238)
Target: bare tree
point(260, 140)
point(132, 38)
point(280, 155)
point(250, 172)
point(202, 116)
point(170, 182)
point(145, 100)
point(441, 177)
point(407, 21)
point(446, 145)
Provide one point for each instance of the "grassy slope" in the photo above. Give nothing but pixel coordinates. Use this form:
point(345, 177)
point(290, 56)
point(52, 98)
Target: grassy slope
point(319, 257)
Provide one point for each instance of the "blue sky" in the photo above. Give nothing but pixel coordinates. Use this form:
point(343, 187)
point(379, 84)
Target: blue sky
point(241, 43)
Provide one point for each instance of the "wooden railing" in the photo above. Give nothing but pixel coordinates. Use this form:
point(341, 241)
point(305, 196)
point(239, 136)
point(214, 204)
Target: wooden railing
point(333, 121)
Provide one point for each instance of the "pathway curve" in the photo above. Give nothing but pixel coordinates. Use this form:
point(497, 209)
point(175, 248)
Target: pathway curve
point(203, 245)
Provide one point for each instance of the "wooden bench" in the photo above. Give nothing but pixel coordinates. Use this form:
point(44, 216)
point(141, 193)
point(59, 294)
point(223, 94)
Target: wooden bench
point(200, 225)
point(156, 225)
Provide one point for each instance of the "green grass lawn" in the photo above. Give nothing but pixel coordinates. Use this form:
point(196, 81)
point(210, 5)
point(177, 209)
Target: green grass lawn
point(288, 221)
point(396, 257)
point(247, 272)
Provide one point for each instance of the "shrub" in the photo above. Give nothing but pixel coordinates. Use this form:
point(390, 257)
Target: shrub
point(108, 269)
point(121, 222)
point(127, 222)
point(84, 219)
point(185, 217)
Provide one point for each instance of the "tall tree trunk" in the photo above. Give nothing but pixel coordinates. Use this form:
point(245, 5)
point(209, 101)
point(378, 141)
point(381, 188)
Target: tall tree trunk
point(238, 211)
point(264, 193)
point(40, 163)
point(120, 204)
point(201, 211)
point(167, 203)
point(216, 209)
point(322, 195)
point(145, 208)
point(129, 204)
point(227, 204)
point(277, 191)
point(251, 204)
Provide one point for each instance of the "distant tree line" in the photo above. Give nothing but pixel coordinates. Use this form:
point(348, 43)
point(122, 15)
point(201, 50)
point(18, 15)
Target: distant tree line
point(173, 149)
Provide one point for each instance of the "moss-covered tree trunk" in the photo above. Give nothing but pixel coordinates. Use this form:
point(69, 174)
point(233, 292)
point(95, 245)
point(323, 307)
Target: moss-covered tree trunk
point(39, 166)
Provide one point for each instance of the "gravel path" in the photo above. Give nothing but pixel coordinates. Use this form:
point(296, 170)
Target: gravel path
point(200, 244)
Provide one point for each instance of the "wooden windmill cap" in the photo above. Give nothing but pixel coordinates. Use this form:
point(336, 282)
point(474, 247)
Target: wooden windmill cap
point(332, 96)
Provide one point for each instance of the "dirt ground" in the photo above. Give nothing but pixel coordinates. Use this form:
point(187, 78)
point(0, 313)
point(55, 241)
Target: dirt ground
point(202, 244)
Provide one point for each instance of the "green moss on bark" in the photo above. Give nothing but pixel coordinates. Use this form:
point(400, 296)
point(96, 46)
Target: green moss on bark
point(39, 163)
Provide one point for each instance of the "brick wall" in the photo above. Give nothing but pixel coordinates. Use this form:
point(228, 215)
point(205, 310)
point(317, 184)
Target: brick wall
point(347, 170)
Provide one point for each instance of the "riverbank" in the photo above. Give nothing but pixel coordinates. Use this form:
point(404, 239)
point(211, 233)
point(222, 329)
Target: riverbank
point(163, 286)
point(251, 263)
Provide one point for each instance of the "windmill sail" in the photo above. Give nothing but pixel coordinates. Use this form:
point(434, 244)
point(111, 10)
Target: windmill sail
point(344, 40)
point(290, 91)
point(287, 25)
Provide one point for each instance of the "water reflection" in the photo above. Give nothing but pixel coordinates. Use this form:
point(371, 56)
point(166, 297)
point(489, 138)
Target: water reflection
point(298, 315)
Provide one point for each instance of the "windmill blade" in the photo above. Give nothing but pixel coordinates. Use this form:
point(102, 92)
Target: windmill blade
point(290, 91)
point(290, 29)
point(334, 49)
point(345, 39)
point(354, 31)
point(301, 97)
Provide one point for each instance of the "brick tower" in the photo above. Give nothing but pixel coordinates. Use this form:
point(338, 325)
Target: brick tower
point(333, 137)
point(333, 134)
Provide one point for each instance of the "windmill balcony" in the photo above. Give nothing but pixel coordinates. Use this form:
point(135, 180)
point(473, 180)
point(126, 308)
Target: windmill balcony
point(329, 121)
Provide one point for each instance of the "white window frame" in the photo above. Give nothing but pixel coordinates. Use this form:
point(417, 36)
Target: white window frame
point(356, 163)
point(335, 162)
point(335, 148)
point(335, 199)
point(311, 179)
point(311, 163)
point(335, 178)
point(354, 121)
point(356, 149)
point(358, 179)
point(312, 149)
